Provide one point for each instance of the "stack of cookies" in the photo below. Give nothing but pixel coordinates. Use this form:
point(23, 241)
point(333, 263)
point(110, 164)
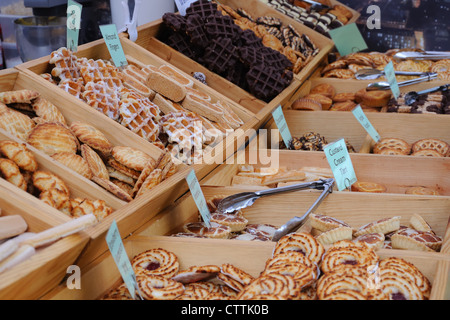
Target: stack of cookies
point(429, 147)
point(256, 54)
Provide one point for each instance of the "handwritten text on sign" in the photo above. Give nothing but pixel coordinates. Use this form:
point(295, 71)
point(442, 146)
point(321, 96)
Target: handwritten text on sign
point(341, 164)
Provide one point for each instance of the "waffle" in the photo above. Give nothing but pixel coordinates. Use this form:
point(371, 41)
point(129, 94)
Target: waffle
point(219, 26)
point(266, 82)
point(174, 21)
point(75, 88)
point(195, 30)
point(183, 128)
point(221, 55)
point(66, 67)
point(138, 116)
point(182, 44)
point(204, 8)
point(102, 98)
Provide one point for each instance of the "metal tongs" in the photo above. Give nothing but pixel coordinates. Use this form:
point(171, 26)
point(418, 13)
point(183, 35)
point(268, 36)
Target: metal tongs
point(427, 55)
point(372, 74)
point(316, 6)
point(246, 199)
point(412, 96)
point(384, 85)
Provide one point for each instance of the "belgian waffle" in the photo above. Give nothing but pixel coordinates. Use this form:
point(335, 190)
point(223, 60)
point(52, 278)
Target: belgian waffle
point(66, 67)
point(204, 8)
point(183, 128)
point(181, 43)
point(75, 88)
point(175, 21)
point(221, 55)
point(102, 98)
point(219, 26)
point(195, 30)
point(266, 82)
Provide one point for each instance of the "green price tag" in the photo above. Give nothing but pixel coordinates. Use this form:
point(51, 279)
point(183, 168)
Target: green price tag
point(109, 33)
point(281, 123)
point(348, 39)
point(73, 24)
point(364, 121)
point(119, 254)
point(199, 198)
point(390, 76)
point(341, 164)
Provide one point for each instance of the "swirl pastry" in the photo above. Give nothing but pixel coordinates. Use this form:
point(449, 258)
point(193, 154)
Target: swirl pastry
point(119, 293)
point(195, 274)
point(231, 282)
point(353, 278)
point(363, 186)
point(324, 223)
point(384, 226)
point(287, 258)
point(195, 291)
point(159, 288)
point(215, 231)
point(159, 262)
point(301, 242)
point(398, 287)
point(236, 273)
point(275, 284)
point(347, 254)
point(303, 275)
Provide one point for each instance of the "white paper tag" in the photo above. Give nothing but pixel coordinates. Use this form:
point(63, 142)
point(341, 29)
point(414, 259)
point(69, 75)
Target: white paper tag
point(182, 5)
point(199, 198)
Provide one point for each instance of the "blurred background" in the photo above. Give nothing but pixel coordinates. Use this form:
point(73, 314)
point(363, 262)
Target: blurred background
point(404, 23)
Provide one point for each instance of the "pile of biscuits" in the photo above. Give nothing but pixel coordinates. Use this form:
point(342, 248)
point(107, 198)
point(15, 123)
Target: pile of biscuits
point(324, 97)
point(385, 233)
point(311, 141)
point(434, 103)
point(19, 167)
point(347, 66)
point(321, 21)
point(257, 54)
point(375, 187)
point(429, 147)
point(121, 170)
point(249, 175)
point(159, 104)
point(300, 268)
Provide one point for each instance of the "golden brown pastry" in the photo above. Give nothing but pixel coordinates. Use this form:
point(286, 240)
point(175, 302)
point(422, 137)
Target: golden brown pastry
point(53, 137)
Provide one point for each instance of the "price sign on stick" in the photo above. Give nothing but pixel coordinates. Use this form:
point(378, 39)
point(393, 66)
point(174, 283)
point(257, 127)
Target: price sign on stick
point(73, 24)
point(348, 39)
point(280, 120)
point(112, 40)
point(341, 164)
point(364, 121)
point(390, 76)
point(199, 198)
point(119, 254)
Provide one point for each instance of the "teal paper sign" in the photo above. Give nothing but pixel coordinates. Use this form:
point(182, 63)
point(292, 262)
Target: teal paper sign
point(199, 198)
point(73, 24)
point(348, 39)
point(119, 254)
point(182, 5)
point(390, 76)
point(364, 121)
point(341, 164)
point(281, 123)
point(109, 33)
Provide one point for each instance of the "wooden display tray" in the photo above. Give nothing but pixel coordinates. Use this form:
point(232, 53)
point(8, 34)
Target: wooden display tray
point(148, 38)
point(352, 85)
point(396, 174)
point(47, 268)
point(105, 276)
point(129, 216)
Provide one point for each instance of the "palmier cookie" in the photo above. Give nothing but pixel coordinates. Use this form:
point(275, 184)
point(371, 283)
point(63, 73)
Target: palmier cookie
point(334, 235)
point(364, 186)
point(131, 157)
point(373, 240)
point(236, 273)
point(409, 270)
point(289, 257)
point(398, 286)
point(215, 231)
point(156, 262)
point(324, 223)
point(348, 254)
point(431, 144)
point(158, 287)
point(53, 137)
point(400, 145)
point(74, 162)
point(91, 136)
point(345, 279)
point(384, 226)
point(422, 191)
point(235, 222)
point(44, 180)
point(303, 275)
point(301, 242)
point(19, 153)
point(11, 173)
point(196, 273)
point(95, 162)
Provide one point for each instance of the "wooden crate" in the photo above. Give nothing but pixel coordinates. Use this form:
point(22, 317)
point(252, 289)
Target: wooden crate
point(148, 38)
point(128, 216)
point(46, 269)
point(392, 172)
point(105, 276)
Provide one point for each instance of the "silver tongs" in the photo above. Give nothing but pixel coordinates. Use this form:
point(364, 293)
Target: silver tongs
point(246, 199)
point(413, 96)
point(384, 85)
point(316, 6)
point(427, 55)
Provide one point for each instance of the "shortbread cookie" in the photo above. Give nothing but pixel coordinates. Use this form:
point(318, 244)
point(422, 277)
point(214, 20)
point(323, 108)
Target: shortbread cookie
point(431, 144)
point(47, 111)
point(18, 96)
point(16, 123)
point(301, 242)
point(44, 180)
point(131, 157)
point(334, 235)
point(19, 153)
point(324, 223)
point(11, 173)
point(116, 165)
point(74, 162)
point(53, 137)
point(115, 174)
point(159, 288)
point(384, 226)
point(156, 262)
point(401, 146)
point(91, 136)
point(95, 162)
point(197, 273)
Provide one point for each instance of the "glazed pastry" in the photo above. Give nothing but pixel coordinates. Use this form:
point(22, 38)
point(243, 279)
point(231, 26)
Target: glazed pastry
point(74, 162)
point(416, 240)
point(130, 157)
point(235, 222)
point(113, 188)
point(91, 136)
point(427, 153)
point(46, 111)
point(431, 144)
point(18, 96)
point(95, 162)
point(156, 262)
point(418, 223)
point(53, 137)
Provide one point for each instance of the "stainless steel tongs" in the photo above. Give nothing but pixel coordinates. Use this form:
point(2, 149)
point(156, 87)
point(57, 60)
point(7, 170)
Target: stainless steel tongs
point(384, 85)
point(427, 55)
point(246, 199)
point(316, 6)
